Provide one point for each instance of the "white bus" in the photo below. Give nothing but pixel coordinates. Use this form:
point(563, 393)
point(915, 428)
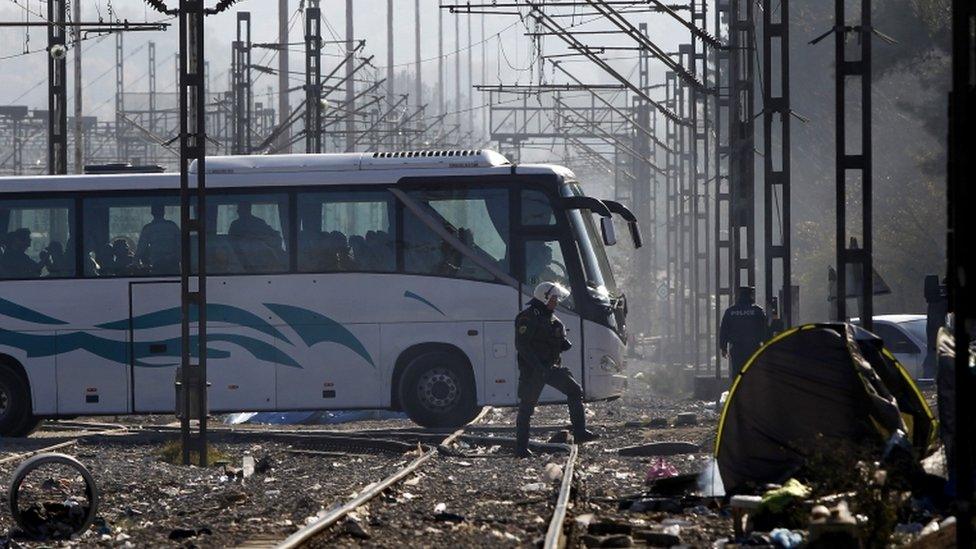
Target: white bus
point(336, 281)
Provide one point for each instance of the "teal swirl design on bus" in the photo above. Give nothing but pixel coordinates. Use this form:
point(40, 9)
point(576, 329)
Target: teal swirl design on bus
point(216, 312)
point(13, 310)
point(410, 295)
point(48, 341)
point(315, 328)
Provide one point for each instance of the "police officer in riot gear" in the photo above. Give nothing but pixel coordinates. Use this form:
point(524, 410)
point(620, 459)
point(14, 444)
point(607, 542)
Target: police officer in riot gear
point(744, 328)
point(540, 339)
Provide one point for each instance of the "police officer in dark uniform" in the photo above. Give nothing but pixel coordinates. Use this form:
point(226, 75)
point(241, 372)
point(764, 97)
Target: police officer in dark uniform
point(744, 328)
point(540, 339)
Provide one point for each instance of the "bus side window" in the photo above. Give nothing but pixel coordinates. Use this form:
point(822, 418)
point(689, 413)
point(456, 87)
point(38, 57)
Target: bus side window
point(477, 217)
point(544, 262)
point(249, 235)
point(536, 209)
point(346, 231)
point(132, 236)
point(36, 238)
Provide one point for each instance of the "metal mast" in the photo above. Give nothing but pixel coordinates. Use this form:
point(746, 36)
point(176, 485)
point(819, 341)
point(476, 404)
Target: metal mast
point(776, 160)
point(850, 163)
point(284, 108)
point(78, 129)
point(313, 80)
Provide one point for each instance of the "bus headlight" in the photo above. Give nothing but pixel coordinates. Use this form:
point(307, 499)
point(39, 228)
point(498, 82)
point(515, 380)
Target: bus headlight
point(609, 364)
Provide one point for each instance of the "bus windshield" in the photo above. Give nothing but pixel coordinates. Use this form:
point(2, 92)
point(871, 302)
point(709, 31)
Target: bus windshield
point(596, 265)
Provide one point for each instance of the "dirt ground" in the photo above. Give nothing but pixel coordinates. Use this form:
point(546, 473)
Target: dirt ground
point(476, 495)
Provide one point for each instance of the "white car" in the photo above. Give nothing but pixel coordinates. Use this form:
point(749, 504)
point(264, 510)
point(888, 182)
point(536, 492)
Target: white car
point(904, 336)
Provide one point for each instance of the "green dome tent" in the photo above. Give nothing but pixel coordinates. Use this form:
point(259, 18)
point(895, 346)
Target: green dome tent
point(827, 382)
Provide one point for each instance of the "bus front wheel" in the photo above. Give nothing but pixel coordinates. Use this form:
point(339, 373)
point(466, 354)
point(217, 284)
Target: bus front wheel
point(16, 419)
point(437, 390)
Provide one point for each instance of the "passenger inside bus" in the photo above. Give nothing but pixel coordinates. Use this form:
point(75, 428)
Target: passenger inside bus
point(258, 246)
point(15, 263)
point(540, 265)
point(61, 263)
point(158, 250)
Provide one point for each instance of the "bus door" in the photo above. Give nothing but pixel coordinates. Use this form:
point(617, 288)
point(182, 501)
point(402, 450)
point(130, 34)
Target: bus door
point(545, 262)
point(242, 348)
point(155, 350)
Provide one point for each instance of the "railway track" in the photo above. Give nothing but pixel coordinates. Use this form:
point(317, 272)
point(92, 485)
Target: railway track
point(554, 537)
point(88, 430)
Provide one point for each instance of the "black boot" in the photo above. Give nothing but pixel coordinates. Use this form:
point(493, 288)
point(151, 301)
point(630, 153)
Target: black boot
point(585, 436)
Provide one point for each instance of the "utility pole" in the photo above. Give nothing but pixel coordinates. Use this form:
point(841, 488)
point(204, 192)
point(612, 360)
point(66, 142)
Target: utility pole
point(57, 102)
point(389, 53)
point(457, 73)
point(313, 80)
point(961, 260)
point(440, 62)
point(484, 80)
point(722, 231)
point(192, 378)
point(284, 139)
point(152, 98)
point(78, 129)
point(122, 148)
point(641, 194)
point(419, 91)
point(700, 298)
point(193, 148)
point(673, 220)
point(350, 107)
point(742, 142)
point(861, 161)
point(776, 160)
point(470, 78)
point(241, 71)
point(390, 83)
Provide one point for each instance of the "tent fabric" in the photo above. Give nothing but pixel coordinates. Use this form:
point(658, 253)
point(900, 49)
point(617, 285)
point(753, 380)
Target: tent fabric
point(805, 388)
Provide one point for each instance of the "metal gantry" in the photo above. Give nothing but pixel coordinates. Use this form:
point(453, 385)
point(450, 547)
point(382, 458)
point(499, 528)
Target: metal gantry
point(776, 157)
point(724, 260)
point(241, 78)
point(854, 166)
point(57, 74)
point(742, 40)
point(313, 80)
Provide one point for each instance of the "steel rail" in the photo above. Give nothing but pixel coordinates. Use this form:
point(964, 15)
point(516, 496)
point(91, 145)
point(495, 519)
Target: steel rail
point(554, 534)
point(61, 445)
point(313, 529)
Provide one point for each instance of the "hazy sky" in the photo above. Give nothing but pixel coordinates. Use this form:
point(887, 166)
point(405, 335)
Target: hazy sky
point(508, 51)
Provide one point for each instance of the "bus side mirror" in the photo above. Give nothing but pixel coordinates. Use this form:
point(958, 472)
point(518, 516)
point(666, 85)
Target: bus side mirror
point(609, 233)
point(635, 234)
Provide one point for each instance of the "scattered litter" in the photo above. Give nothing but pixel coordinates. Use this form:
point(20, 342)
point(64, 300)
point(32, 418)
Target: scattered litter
point(657, 539)
point(449, 517)
point(180, 534)
point(672, 530)
point(785, 538)
point(659, 469)
point(247, 466)
point(55, 512)
point(534, 487)
point(553, 472)
point(352, 527)
point(560, 437)
point(686, 419)
point(440, 508)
